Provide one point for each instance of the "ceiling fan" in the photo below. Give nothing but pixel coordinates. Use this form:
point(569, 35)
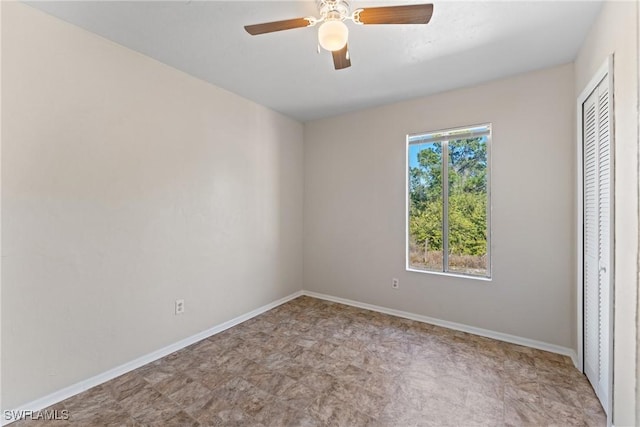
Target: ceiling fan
point(333, 32)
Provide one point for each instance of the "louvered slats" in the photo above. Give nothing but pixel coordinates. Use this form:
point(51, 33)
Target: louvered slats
point(597, 171)
point(591, 310)
point(604, 232)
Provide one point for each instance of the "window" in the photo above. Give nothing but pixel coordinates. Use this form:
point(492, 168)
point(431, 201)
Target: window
point(448, 201)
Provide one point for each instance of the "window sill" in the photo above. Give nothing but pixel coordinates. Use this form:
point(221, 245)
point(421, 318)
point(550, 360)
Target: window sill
point(456, 275)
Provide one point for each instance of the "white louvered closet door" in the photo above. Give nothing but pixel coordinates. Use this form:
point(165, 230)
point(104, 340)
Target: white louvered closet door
point(597, 238)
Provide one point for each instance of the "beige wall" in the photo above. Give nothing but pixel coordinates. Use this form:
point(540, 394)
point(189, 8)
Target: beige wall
point(354, 207)
point(125, 185)
point(1, 3)
point(614, 32)
point(638, 287)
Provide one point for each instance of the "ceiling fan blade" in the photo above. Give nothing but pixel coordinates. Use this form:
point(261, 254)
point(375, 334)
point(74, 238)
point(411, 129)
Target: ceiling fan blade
point(410, 14)
point(270, 27)
point(341, 58)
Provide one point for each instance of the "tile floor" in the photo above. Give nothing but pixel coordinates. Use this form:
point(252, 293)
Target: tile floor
point(315, 363)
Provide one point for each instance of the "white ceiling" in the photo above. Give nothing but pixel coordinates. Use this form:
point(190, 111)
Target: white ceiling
point(464, 44)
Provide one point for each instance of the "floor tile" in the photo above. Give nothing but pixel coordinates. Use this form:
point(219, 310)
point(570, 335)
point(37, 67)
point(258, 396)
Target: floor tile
point(312, 363)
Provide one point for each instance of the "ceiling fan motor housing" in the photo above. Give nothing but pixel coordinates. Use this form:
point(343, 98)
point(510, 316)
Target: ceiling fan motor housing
point(333, 9)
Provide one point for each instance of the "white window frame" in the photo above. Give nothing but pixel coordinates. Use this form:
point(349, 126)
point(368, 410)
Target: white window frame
point(448, 135)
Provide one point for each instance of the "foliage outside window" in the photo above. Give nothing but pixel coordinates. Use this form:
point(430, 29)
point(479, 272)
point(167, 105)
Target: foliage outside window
point(448, 201)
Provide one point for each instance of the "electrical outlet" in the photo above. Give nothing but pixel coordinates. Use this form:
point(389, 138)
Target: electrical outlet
point(179, 306)
point(395, 283)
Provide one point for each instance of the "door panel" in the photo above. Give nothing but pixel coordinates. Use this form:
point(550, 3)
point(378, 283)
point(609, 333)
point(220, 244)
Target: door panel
point(591, 287)
point(604, 235)
point(597, 190)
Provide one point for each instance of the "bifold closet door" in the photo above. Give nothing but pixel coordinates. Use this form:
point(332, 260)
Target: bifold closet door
point(597, 238)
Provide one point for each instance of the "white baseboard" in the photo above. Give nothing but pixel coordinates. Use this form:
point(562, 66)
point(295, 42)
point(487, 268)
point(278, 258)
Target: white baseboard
point(72, 390)
point(81, 386)
point(452, 325)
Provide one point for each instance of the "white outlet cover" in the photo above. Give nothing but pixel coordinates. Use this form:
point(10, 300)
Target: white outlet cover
point(179, 306)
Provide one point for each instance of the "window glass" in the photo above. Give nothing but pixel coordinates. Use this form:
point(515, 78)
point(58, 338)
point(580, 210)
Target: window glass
point(448, 201)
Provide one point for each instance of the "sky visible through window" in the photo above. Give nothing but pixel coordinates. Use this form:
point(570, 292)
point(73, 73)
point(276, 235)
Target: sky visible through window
point(416, 148)
point(413, 154)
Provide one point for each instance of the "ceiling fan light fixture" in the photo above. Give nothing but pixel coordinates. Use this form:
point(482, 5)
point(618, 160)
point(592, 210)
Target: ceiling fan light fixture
point(333, 35)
